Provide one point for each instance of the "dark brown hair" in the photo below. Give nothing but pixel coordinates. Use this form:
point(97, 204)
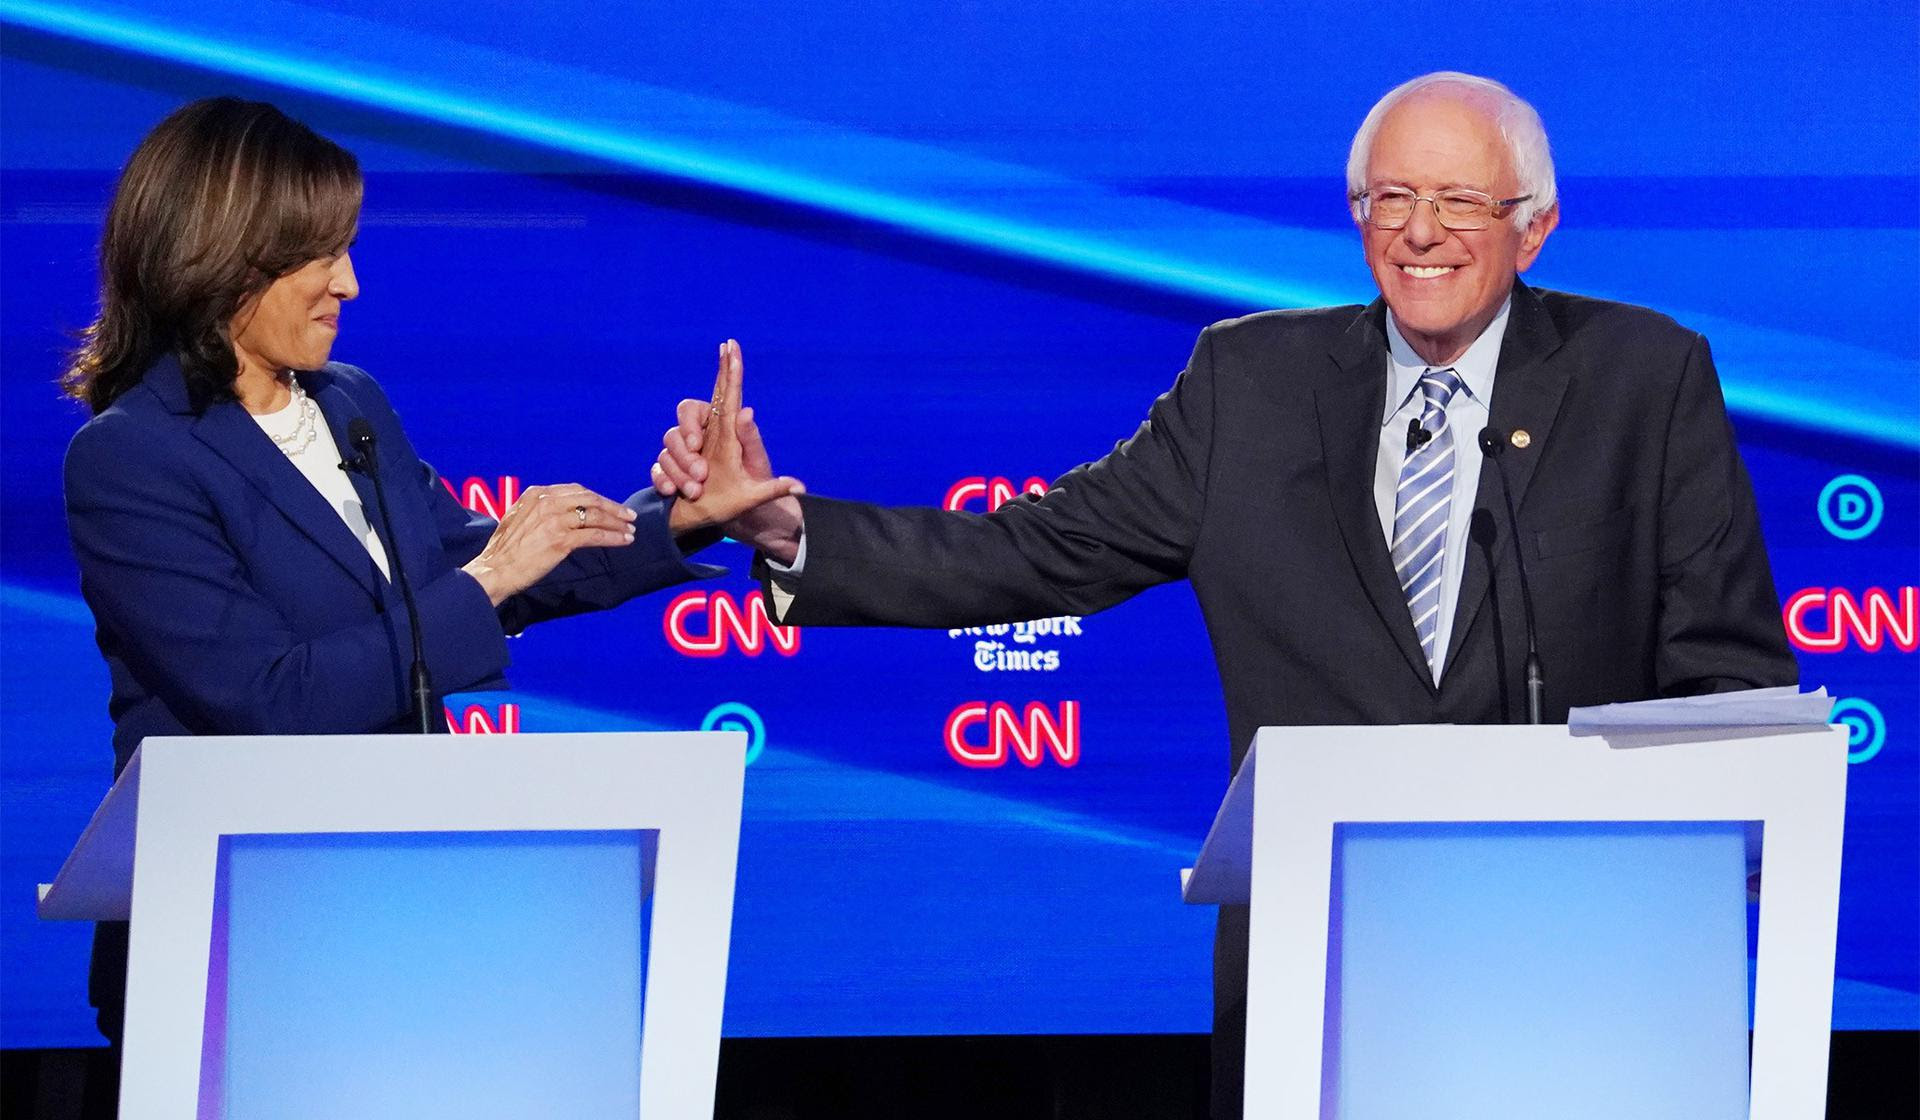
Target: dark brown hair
point(219, 200)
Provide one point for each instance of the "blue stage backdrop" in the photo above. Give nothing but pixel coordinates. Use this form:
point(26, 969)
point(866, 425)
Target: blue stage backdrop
point(964, 246)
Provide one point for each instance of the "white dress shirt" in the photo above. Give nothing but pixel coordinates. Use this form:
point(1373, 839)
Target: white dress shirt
point(1467, 413)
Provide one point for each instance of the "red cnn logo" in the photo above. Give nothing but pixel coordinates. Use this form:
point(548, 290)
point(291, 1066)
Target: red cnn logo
point(727, 624)
point(990, 492)
point(1869, 621)
point(477, 496)
point(979, 734)
point(477, 720)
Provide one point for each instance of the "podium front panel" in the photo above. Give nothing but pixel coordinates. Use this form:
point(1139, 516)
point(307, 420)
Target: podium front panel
point(431, 925)
point(1580, 970)
point(1312, 784)
point(470, 974)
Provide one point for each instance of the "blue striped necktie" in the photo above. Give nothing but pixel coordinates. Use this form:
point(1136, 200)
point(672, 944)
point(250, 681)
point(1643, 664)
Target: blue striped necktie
point(1421, 510)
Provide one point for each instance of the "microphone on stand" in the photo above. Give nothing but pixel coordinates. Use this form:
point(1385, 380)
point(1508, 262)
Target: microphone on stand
point(363, 461)
point(1492, 443)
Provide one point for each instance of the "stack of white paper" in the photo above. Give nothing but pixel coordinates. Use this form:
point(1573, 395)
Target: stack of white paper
point(1786, 706)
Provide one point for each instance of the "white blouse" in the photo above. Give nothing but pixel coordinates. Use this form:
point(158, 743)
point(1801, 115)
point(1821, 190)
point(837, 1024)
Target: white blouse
point(318, 457)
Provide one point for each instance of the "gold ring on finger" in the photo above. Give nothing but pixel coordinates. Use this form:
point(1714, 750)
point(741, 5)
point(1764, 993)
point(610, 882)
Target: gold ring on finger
point(581, 513)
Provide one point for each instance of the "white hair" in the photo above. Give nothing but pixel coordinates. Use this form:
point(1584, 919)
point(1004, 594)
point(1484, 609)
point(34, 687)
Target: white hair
point(1519, 125)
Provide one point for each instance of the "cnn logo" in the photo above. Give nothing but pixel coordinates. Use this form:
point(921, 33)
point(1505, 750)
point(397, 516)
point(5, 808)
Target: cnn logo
point(980, 494)
point(984, 735)
point(709, 623)
point(476, 495)
point(1827, 620)
point(478, 720)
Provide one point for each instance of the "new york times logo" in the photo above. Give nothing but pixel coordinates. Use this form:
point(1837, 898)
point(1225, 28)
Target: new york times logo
point(1015, 647)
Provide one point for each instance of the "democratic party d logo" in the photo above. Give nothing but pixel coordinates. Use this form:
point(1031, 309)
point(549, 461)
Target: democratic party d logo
point(1866, 727)
point(1851, 507)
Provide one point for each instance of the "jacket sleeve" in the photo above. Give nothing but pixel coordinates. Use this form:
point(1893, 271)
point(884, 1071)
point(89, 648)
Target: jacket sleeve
point(1104, 532)
point(1719, 626)
point(589, 579)
point(171, 592)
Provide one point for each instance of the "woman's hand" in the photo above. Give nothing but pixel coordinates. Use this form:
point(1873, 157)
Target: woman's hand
point(716, 465)
point(540, 530)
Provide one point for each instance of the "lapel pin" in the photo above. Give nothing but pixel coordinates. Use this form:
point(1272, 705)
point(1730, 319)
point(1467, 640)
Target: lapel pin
point(1520, 438)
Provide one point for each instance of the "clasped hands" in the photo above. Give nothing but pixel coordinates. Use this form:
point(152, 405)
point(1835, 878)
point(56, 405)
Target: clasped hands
point(714, 463)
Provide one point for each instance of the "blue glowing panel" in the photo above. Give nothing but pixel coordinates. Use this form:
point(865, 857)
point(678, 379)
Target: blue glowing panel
point(427, 974)
point(1581, 971)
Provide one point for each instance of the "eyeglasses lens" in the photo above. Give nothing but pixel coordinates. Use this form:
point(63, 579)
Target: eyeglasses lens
point(1455, 210)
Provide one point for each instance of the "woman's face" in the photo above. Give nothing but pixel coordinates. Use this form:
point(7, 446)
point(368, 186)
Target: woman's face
point(292, 324)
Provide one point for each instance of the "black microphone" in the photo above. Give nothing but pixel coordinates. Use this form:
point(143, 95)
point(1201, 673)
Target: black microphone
point(363, 461)
point(1492, 443)
point(1417, 436)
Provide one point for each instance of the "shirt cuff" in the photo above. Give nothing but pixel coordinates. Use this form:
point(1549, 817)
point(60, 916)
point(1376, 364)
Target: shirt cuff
point(786, 579)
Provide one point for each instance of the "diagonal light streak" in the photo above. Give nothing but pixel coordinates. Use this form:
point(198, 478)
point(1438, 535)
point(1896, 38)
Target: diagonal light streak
point(413, 96)
point(1086, 227)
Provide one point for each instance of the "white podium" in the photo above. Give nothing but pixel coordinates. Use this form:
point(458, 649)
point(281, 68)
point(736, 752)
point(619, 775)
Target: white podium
point(1510, 921)
point(388, 926)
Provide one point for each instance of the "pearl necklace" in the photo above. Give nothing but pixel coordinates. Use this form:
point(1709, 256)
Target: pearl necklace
point(306, 429)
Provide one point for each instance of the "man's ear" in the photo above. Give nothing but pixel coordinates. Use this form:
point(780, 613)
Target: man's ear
point(1544, 223)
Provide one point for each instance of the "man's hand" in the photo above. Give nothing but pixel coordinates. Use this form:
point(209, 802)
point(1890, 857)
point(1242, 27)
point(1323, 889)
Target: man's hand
point(714, 461)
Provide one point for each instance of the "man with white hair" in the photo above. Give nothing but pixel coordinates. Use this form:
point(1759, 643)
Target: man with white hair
point(1319, 477)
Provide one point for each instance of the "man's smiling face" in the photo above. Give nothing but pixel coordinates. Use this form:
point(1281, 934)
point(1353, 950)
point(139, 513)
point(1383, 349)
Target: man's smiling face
point(1445, 286)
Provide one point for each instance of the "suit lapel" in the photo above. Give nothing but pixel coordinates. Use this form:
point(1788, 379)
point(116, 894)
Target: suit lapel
point(1527, 389)
point(227, 430)
point(340, 410)
point(1349, 411)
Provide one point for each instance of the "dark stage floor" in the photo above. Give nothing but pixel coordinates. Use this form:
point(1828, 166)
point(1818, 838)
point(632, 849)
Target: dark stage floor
point(1875, 1075)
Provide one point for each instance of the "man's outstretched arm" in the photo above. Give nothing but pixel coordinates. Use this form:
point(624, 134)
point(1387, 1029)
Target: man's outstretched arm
point(1104, 532)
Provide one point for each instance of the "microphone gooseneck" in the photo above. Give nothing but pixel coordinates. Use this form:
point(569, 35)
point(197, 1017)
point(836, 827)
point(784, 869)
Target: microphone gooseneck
point(363, 461)
point(1491, 445)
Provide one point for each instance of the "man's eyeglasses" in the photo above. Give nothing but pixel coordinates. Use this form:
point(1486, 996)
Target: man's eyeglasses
point(1392, 207)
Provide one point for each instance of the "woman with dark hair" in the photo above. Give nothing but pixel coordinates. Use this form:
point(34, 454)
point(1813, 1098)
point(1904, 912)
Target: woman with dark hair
point(237, 581)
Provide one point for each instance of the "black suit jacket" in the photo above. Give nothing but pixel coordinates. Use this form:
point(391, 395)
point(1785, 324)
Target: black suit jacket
point(1252, 478)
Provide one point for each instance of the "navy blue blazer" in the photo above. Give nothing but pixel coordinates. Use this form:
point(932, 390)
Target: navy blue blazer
point(230, 598)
